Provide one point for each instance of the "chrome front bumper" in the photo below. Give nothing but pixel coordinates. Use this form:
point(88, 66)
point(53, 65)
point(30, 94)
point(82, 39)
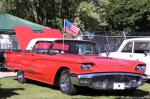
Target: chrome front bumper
point(109, 80)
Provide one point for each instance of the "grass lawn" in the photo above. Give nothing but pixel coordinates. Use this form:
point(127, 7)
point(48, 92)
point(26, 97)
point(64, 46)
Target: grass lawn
point(11, 89)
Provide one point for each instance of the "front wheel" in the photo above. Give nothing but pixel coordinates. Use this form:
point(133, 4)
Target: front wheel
point(65, 84)
point(20, 77)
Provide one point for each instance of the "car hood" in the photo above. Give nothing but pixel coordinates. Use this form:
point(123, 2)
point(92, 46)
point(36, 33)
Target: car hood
point(104, 64)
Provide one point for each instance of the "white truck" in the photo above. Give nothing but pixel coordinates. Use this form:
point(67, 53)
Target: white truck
point(134, 49)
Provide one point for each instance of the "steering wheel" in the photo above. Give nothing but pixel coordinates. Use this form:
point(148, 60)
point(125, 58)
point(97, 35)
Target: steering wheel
point(87, 52)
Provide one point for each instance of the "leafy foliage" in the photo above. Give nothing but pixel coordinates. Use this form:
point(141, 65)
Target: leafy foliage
point(129, 15)
point(53, 12)
point(90, 15)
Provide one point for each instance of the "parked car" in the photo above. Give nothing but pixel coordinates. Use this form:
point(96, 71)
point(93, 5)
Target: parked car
point(134, 49)
point(71, 63)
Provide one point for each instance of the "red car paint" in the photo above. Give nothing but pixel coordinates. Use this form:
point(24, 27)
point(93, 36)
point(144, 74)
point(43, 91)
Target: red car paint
point(43, 67)
point(25, 34)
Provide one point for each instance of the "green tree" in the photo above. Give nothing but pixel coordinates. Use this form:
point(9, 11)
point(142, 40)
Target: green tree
point(89, 15)
point(129, 15)
point(39, 11)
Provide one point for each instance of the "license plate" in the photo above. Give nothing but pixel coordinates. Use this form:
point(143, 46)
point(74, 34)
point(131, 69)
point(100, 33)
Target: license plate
point(118, 86)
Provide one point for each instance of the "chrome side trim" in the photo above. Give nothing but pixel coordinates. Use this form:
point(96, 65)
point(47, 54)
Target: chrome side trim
point(88, 76)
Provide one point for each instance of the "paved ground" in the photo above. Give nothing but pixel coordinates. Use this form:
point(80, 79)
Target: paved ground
point(6, 73)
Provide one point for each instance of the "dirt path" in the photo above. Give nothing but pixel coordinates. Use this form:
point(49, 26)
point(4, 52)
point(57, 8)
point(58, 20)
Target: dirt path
point(7, 74)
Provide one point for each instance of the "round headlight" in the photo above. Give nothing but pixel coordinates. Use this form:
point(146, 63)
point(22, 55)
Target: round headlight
point(140, 67)
point(89, 66)
point(86, 66)
point(83, 67)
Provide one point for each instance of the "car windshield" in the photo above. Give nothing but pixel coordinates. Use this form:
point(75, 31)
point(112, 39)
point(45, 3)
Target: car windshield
point(76, 47)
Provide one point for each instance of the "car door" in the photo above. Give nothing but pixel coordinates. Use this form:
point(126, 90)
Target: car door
point(37, 68)
point(125, 53)
point(139, 49)
point(40, 67)
point(135, 50)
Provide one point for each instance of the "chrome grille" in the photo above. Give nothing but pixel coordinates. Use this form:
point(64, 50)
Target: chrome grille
point(103, 82)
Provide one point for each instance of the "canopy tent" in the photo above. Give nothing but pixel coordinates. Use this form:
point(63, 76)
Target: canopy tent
point(8, 22)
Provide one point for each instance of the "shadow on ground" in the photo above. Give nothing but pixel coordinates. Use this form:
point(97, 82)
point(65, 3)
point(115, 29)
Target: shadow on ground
point(8, 92)
point(118, 94)
point(84, 91)
point(40, 84)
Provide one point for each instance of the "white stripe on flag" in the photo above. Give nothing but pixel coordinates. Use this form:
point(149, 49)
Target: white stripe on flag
point(70, 31)
point(75, 29)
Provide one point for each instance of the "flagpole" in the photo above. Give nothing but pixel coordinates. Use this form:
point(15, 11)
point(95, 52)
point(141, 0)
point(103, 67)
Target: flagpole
point(81, 35)
point(63, 36)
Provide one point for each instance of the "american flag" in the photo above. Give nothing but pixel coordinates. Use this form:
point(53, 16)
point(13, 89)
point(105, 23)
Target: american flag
point(70, 28)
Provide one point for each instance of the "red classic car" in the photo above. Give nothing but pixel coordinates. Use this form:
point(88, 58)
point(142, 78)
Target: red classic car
point(67, 63)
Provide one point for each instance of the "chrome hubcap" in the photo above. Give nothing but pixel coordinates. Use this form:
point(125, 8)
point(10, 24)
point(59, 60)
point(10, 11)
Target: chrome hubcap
point(64, 82)
point(20, 76)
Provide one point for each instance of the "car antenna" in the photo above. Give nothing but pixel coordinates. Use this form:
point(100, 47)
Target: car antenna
point(108, 51)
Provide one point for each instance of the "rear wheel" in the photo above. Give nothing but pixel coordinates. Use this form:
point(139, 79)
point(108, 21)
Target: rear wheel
point(65, 84)
point(20, 77)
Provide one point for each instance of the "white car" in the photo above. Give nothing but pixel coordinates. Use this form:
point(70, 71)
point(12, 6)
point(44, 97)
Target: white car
point(134, 49)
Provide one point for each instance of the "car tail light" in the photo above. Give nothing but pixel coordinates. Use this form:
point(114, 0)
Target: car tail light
point(4, 54)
